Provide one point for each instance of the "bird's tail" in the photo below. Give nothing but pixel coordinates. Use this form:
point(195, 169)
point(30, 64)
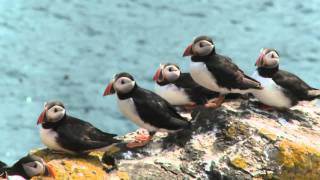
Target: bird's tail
point(315, 93)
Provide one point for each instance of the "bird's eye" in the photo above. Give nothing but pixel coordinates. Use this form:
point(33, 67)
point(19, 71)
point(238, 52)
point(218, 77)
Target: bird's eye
point(200, 44)
point(170, 69)
point(122, 82)
point(55, 110)
point(35, 165)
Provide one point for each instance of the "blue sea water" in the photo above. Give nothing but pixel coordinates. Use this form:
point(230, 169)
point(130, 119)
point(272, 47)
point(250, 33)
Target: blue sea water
point(70, 49)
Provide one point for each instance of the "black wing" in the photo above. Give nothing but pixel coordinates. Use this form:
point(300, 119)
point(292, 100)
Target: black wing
point(157, 111)
point(199, 94)
point(229, 74)
point(78, 135)
point(292, 84)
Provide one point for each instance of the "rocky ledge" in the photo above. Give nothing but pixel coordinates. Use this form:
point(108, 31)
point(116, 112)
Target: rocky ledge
point(236, 141)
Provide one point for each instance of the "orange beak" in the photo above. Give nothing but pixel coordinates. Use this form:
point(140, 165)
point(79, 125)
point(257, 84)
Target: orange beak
point(41, 117)
point(260, 59)
point(50, 171)
point(157, 74)
point(109, 90)
point(188, 51)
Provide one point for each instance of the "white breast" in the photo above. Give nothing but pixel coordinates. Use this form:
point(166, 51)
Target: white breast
point(271, 94)
point(128, 109)
point(15, 177)
point(173, 94)
point(48, 138)
point(203, 77)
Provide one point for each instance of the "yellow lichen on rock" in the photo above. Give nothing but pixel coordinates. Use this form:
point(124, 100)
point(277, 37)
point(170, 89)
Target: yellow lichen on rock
point(237, 128)
point(239, 162)
point(73, 167)
point(299, 161)
point(123, 175)
point(268, 134)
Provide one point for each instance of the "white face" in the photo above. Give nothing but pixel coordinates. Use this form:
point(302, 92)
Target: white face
point(171, 73)
point(270, 59)
point(34, 168)
point(55, 113)
point(123, 85)
point(202, 48)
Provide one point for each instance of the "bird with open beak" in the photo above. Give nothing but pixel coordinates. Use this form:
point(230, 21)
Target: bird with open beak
point(282, 89)
point(179, 88)
point(145, 108)
point(26, 168)
point(216, 72)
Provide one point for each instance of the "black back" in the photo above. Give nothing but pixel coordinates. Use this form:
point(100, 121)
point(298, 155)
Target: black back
point(2, 164)
point(155, 111)
point(196, 93)
point(80, 136)
point(293, 85)
point(2, 169)
point(227, 74)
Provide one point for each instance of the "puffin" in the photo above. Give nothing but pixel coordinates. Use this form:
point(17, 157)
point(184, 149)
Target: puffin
point(217, 72)
point(179, 89)
point(282, 89)
point(145, 108)
point(26, 168)
point(64, 133)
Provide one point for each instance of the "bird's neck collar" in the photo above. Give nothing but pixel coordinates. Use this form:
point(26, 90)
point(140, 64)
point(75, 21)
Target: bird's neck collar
point(268, 72)
point(52, 125)
point(203, 58)
point(129, 94)
point(163, 83)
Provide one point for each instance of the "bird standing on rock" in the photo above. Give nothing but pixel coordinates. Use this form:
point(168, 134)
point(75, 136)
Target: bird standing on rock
point(216, 72)
point(282, 89)
point(26, 168)
point(145, 108)
point(64, 133)
point(179, 88)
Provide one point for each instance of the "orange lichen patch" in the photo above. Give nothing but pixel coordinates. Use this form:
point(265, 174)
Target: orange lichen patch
point(239, 162)
point(123, 175)
point(73, 167)
point(298, 161)
point(268, 134)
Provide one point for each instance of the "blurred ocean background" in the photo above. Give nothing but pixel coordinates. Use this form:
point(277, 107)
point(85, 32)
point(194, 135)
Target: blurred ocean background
point(70, 49)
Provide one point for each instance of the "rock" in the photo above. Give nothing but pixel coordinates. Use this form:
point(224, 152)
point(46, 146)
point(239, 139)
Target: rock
point(236, 141)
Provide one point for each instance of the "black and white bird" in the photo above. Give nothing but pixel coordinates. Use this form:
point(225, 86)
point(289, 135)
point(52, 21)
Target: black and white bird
point(216, 72)
point(282, 89)
point(179, 88)
point(145, 108)
point(26, 168)
point(64, 133)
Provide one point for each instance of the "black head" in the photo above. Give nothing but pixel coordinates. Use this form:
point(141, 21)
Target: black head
point(167, 73)
point(30, 166)
point(268, 58)
point(201, 46)
point(54, 111)
point(122, 83)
